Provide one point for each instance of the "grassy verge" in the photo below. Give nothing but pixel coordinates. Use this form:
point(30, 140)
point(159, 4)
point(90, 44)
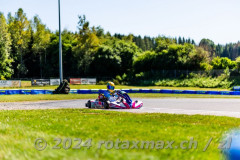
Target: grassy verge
point(27, 85)
point(21, 98)
point(20, 129)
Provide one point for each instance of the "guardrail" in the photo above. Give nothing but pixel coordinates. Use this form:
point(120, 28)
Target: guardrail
point(95, 91)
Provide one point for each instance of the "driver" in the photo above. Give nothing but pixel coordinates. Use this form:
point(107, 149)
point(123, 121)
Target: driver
point(110, 93)
point(113, 95)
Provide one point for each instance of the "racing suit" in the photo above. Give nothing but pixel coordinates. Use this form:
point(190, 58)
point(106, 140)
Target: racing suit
point(110, 96)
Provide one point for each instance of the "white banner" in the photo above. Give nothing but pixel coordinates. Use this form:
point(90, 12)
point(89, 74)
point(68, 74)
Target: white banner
point(4, 83)
point(88, 80)
point(54, 82)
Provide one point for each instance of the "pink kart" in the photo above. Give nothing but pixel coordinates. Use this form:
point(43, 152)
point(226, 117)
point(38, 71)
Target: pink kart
point(103, 103)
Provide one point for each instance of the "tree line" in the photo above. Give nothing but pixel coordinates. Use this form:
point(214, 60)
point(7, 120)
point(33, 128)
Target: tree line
point(29, 49)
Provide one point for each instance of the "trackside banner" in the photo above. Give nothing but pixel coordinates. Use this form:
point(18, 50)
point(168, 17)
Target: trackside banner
point(10, 83)
point(83, 80)
point(88, 81)
point(40, 82)
point(45, 82)
point(54, 82)
point(75, 80)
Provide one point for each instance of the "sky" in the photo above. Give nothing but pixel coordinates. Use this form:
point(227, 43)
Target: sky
point(217, 20)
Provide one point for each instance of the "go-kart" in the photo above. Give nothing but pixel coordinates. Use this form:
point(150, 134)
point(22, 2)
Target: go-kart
point(103, 103)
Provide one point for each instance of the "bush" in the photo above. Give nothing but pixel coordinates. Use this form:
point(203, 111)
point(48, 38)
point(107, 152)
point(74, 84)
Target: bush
point(102, 83)
point(116, 82)
point(198, 81)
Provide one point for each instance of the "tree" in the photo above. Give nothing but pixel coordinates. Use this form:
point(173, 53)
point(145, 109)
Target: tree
point(20, 30)
point(162, 43)
point(144, 62)
point(223, 63)
point(5, 43)
point(126, 50)
point(87, 45)
point(183, 41)
point(70, 63)
point(179, 40)
point(41, 38)
point(197, 57)
point(106, 62)
point(238, 63)
point(193, 42)
point(208, 45)
point(174, 56)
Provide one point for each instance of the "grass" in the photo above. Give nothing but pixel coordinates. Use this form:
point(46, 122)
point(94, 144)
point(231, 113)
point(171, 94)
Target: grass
point(21, 98)
point(27, 85)
point(19, 130)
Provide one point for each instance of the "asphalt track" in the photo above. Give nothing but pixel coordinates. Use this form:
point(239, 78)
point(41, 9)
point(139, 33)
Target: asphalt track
point(190, 106)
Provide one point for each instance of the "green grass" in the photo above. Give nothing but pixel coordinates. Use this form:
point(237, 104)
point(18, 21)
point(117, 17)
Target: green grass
point(27, 85)
point(20, 128)
point(21, 98)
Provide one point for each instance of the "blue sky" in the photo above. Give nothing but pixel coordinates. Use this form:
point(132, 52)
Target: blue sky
point(217, 20)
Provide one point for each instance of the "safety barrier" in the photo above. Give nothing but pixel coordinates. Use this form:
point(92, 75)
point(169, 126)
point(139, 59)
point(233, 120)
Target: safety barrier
point(96, 91)
point(236, 88)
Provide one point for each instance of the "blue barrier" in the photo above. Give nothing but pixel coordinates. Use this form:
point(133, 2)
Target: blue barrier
point(12, 91)
point(214, 92)
point(177, 91)
point(73, 91)
point(25, 91)
point(96, 91)
point(156, 90)
point(201, 92)
point(2, 92)
point(83, 91)
point(48, 91)
point(126, 90)
point(236, 93)
point(236, 88)
point(189, 92)
point(145, 91)
point(134, 91)
point(38, 91)
point(226, 92)
point(166, 91)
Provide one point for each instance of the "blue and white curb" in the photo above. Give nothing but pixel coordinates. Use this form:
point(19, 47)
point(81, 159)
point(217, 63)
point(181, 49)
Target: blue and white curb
point(95, 91)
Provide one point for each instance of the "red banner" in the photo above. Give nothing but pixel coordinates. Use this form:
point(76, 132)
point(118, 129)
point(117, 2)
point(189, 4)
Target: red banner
point(75, 80)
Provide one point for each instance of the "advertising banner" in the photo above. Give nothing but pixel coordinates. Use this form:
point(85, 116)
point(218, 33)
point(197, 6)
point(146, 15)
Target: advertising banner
point(83, 80)
point(54, 82)
point(88, 80)
point(40, 82)
point(75, 80)
point(10, 83)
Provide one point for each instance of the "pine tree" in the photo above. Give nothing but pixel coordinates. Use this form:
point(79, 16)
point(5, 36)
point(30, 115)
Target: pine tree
point(179, 40)
point(183, 41)
point(193, 42)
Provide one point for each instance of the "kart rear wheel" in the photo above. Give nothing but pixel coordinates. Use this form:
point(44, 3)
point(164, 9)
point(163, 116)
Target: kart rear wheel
point(88, 104)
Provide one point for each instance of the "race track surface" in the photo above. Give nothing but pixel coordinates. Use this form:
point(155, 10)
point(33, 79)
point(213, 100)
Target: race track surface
point(191, 106)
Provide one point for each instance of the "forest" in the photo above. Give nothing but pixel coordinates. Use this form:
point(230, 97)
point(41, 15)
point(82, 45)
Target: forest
point(28, 49)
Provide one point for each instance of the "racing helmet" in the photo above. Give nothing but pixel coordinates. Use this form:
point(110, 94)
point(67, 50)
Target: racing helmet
point(110, 86)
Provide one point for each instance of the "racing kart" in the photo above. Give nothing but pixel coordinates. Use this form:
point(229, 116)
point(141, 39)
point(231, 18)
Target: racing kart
point(103, 103)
